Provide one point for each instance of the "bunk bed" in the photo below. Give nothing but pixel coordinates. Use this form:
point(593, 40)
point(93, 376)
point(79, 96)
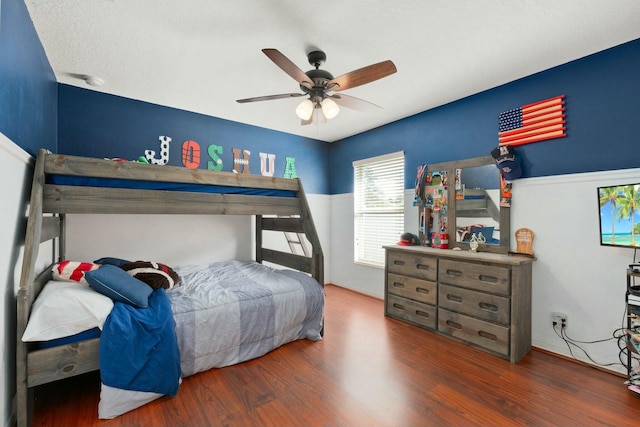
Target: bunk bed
point(65, 184)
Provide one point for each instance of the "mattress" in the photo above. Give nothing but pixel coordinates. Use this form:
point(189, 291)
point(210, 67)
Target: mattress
point(167, 186)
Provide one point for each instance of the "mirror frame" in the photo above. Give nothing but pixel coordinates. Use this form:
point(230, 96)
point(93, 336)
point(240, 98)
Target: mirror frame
point(505, 212)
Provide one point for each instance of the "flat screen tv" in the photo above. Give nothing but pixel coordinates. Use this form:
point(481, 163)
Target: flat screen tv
point(620, 215)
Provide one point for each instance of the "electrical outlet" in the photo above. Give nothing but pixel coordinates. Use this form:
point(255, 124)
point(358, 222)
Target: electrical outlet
point(559, 319)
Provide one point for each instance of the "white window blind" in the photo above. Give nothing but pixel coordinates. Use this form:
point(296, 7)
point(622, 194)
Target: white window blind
point(378, 205)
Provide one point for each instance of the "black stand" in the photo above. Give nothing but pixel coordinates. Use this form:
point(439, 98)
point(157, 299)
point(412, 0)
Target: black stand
point(632, 301)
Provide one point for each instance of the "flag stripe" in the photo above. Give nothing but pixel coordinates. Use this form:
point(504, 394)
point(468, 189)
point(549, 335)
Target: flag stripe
point(543, 104)
point(533, 122)
point(553, 135)
point(540, 131)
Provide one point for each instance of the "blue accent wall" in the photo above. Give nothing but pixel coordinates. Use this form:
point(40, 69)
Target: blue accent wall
point(99, 125)
point(602, 100)
point(28, 88)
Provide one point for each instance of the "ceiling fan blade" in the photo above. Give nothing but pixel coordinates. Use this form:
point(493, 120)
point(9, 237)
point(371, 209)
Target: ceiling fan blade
point(289, 67)
point(362, 76)
point(270, 97)
point(354, 103)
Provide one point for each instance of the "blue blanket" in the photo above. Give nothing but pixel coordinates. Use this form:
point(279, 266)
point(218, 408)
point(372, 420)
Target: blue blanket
point(139, 349)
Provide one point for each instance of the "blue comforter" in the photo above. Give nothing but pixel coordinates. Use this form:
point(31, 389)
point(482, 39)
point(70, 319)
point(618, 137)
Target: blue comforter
point(139, 349)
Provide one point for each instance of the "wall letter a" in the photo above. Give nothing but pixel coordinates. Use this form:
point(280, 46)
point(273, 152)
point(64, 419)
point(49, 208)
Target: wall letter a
point(290, 168)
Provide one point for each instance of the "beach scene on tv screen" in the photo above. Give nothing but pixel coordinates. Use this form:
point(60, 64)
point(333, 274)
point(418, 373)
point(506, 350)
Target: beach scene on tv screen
point(620, 215)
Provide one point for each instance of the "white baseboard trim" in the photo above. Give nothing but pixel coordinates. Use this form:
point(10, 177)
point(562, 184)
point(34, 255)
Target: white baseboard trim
point(360, 291)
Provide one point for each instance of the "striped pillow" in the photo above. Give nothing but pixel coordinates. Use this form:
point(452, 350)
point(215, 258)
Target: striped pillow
point(72, 271)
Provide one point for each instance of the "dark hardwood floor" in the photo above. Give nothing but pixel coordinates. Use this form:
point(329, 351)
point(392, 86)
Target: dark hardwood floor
point(368, 371)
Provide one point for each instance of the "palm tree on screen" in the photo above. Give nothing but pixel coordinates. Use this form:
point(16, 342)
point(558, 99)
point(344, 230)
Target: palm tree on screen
point(629, 203)
point(610, 195)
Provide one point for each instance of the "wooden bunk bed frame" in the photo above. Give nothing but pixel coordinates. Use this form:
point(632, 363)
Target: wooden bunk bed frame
point(46, 222)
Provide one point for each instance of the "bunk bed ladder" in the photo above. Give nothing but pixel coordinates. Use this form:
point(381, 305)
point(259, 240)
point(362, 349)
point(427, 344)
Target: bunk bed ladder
point(300, 224)
point(296, 241)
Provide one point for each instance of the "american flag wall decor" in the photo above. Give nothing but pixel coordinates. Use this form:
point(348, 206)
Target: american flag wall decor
point(533, 122)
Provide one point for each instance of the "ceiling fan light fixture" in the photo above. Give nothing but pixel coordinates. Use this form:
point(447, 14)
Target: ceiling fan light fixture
point(305, 109)
point(329, 108)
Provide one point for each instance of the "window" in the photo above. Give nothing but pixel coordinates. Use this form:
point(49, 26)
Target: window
point(378, 206)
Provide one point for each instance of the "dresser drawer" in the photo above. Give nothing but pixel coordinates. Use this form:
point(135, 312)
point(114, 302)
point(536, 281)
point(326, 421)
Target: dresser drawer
point(415, 289)
point(489, 307)
point(414, 265)
point(411, 311)
point(483, 334)
point(485, 278)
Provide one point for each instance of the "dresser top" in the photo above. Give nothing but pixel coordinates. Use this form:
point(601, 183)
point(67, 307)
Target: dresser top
point(463, 255)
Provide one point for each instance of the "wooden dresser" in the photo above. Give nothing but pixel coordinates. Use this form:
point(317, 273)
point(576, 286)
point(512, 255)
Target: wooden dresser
point(482, 299)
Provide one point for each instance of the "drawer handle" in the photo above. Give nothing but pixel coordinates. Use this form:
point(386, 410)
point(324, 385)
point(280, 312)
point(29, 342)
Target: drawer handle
point(398, 306)
point(488, 336)
point(398, 262)
point(454, 298)
point(398, 284)
point(490, 279)
point(423, 290)
point(456, 273)
point(423, 267)
point(453, 324)
point(422, 314)
point(487, 306)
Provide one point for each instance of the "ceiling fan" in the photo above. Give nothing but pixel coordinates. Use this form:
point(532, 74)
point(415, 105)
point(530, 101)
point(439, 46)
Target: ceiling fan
point(319, 85)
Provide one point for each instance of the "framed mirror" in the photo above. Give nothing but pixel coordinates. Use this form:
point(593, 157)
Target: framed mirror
point(473, 204)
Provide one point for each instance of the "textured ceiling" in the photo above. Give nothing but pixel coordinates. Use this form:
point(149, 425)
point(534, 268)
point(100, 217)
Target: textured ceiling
point(202, 55)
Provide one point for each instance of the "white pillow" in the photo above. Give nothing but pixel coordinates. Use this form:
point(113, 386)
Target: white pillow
point(66, 308)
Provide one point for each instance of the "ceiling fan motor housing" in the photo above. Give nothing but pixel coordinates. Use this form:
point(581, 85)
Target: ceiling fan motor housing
point(319, 78)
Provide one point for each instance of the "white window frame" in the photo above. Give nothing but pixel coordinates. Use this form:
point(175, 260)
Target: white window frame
point(375, 225)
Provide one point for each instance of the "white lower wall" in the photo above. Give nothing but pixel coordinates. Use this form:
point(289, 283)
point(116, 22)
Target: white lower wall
point(178, 239)
point(170, 239)
point(16, 169)
point(320, 206)
point(344, 272)
point(573, 274)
